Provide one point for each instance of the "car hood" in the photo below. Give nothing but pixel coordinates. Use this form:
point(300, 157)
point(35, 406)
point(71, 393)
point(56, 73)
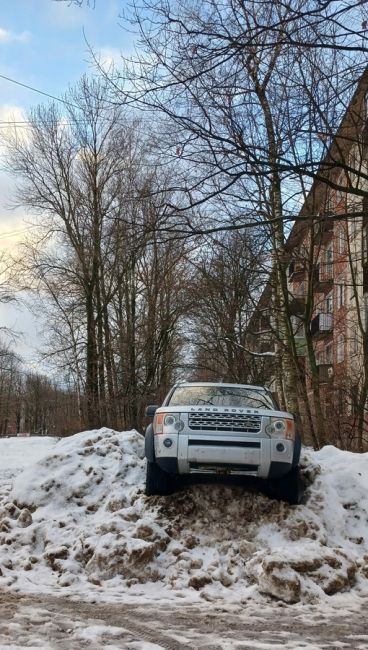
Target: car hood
point(226, 410)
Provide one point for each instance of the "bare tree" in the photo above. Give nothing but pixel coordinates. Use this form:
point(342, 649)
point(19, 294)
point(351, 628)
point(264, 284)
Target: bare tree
point(251, 94)
point(227, 284)
point(69, 167)
point(112, 291)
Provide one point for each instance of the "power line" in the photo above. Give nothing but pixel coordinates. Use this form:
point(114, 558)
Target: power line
point(36, 90)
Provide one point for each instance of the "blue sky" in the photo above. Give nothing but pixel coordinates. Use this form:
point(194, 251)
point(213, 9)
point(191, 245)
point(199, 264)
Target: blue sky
point(43, 44)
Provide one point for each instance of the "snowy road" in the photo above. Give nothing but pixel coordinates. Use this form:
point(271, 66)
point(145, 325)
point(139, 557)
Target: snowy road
point(54, 623)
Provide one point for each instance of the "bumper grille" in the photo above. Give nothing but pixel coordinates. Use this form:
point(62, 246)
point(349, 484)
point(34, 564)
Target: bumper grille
point(247, 444)
point(233, 422)
point(223, 468)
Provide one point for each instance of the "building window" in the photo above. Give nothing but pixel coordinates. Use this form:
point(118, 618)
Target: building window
point(329, 353)
point(340, 349)
point(329, 262)
point(329, 303)
point(340, 295)
point(341, 242)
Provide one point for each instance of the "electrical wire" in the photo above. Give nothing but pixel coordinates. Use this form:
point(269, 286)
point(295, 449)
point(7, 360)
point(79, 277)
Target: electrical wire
point(36, 90)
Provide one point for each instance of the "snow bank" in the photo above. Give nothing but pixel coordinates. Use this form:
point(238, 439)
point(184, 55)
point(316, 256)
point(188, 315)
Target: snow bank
point(79, 517)
point(16, 452)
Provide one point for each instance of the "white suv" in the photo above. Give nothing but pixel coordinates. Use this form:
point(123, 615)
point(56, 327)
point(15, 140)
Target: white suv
point(223, 429)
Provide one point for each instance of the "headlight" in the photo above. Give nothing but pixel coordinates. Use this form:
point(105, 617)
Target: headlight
point(281, 428)
point(167, 423)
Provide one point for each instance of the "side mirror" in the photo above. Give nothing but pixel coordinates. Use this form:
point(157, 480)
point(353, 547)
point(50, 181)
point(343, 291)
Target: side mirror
point(151, 410)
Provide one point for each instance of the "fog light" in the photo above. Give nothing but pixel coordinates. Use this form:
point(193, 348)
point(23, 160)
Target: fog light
point(280, 446)
point(168, 442)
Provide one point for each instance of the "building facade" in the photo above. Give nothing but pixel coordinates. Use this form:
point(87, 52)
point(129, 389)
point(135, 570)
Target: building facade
point(327, 276)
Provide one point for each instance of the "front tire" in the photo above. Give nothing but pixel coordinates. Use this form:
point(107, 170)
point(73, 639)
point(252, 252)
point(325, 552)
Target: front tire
point(158, 481)
point(288, 488)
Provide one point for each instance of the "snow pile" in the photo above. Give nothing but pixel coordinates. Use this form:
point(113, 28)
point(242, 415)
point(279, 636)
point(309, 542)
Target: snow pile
point(75, 506)
point(79, 517)
point(322, 547)
point(16, 451)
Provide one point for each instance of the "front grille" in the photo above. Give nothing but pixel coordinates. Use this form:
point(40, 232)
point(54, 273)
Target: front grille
point(233, 422)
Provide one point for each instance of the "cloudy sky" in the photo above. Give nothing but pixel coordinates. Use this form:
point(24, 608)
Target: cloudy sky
point(44, 44)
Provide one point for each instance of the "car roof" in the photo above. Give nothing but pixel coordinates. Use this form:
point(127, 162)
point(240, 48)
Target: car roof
point(220, 383)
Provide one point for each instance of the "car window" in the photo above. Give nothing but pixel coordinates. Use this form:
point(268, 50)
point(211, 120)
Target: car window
point(221, 396)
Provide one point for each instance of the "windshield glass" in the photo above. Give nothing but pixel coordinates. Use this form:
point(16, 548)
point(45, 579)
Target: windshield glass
point(221, 396)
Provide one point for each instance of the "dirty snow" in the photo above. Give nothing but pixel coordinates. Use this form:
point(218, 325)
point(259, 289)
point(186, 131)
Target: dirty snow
point(77, 519)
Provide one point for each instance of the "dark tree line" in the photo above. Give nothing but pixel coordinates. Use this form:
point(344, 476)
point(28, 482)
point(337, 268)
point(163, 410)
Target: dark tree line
point(31, 402)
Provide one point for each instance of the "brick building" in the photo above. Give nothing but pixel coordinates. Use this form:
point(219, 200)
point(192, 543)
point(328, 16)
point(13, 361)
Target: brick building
point(327, 274)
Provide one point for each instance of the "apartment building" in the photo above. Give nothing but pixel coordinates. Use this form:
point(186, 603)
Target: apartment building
point(327, 273)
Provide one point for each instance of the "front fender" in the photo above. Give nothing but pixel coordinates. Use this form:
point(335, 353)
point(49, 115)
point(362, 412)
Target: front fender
point(149, 447)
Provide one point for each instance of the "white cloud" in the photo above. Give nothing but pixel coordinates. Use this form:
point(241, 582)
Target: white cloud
point(9, 37)
point(11, 113)
point(108, 57)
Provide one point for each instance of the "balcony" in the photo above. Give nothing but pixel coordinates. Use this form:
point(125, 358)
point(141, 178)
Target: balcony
point(325, 373)
point(323, 278)
point(296, 270)
point(323, 230)
point(321, 325)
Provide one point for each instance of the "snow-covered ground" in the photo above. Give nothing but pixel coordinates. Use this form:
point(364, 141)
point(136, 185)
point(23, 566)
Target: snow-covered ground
point(18, 453)
point(75, 522)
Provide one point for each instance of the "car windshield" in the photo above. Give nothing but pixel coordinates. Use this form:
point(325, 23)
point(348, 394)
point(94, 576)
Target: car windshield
point(235, 396)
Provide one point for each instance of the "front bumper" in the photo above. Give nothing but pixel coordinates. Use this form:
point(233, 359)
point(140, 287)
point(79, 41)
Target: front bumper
point(195, 453)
